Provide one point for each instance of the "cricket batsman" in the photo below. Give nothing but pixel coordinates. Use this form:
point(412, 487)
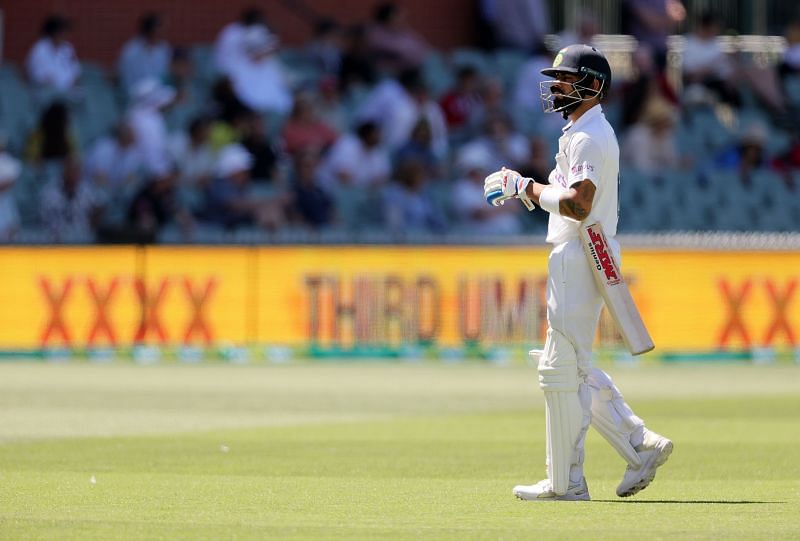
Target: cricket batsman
point(582, 190)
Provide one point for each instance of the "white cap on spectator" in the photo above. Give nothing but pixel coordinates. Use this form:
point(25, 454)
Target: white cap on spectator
point(10, 168)
point(151, 92)
point(233, 159)
point(473, 156)
point(754, 133)
point(258, 39)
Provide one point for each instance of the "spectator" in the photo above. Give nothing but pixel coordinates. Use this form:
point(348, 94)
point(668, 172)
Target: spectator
point(397, 105)
point(706, 65)
point(330, 107)
point(356, 160)
point(188, 96)
point(650, 22)
point(460, 102)
point(649, 145)
point(312, 206)
point(229, 47)
point(407, 207)
point(52, 64)
point(507, 147)
point(180, 72)
point(526, 87)
point(115, 169)
point(788, 162)
point(146, 119)
point(746, 154)
point(10, 170)
point(358, 69)
point(146, 56)
point(790, 61)
point(394, 44)
point(587, 27)
point(70, 207)
point(518, 24)
point(419, 148)
point(538, 166)
point(325, 48)
point(230, 114)
point(229, 199)
point(473, 163)
point(526, 97)
point(114, 162)
point(154, 206)
point(258, 78)
point(266, 160)
point(195, 160)
point(647, 84)
point(304, 128)
point(53, 141)
point(493, 103)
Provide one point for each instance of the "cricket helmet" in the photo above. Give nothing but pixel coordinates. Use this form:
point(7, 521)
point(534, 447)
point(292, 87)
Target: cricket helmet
point(585, 62)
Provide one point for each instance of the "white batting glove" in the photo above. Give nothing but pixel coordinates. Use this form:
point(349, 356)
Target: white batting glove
point(506, 184)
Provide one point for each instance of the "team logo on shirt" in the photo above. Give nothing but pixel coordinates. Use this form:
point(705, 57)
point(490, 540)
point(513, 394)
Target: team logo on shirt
point(582, 167)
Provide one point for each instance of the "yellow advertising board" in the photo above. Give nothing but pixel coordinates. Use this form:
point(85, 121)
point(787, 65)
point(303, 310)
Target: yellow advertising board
point(198, 296)
point(68, 296)
point(348, 297)
point(700, 301)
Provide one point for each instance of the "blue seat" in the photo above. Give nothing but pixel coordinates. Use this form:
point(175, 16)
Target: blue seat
point(204, 70)
point(634, 202)
point(466, 56)
point(99, 111)
point(508, 62)
point(26, 194)
point(437, 74)
point(18, 112)
point(791, 88)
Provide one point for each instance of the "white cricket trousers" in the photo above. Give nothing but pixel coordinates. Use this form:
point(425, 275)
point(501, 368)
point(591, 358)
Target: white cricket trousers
point(574, 304)
point(573, 300)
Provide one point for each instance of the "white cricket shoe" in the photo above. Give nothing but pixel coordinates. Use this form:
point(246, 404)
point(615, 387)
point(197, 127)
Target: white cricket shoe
point(543, 492)
point(653, 452)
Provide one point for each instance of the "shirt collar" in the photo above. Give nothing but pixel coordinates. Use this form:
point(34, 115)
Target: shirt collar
point(585, 117)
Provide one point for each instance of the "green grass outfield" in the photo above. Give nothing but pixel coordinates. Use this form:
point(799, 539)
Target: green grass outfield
point(379, 451)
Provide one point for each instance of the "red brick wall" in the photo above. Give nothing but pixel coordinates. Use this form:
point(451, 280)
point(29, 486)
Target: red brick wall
point(101, 26)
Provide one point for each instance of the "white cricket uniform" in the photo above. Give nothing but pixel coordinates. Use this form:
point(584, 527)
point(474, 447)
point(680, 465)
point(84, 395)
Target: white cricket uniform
point(587, 150)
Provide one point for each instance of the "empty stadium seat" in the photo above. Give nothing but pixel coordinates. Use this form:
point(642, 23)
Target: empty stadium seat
point(26, 194)
point(436, 73)
point(791, 88)
point(204, 70)
point(18, 112)
point(466, 56)
point(507, 63)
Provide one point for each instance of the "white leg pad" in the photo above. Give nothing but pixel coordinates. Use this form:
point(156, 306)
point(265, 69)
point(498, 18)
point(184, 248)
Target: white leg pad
point(566, 421)
point(612, 417)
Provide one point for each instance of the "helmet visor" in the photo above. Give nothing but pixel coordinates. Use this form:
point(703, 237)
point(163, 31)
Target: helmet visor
point(553, 100)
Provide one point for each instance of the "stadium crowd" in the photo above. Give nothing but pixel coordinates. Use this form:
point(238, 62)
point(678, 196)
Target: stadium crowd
point(368, 128)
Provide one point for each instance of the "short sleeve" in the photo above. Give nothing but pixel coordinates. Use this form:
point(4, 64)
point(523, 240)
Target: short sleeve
point(585, 161)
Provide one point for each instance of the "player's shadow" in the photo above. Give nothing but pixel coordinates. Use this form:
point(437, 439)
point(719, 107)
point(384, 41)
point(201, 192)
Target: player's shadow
point(721, 502)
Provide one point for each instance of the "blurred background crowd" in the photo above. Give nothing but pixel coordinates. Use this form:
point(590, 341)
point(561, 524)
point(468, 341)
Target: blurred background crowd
point(369, 129)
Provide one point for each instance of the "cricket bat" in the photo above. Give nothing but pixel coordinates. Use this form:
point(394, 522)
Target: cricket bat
point(615, 291)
